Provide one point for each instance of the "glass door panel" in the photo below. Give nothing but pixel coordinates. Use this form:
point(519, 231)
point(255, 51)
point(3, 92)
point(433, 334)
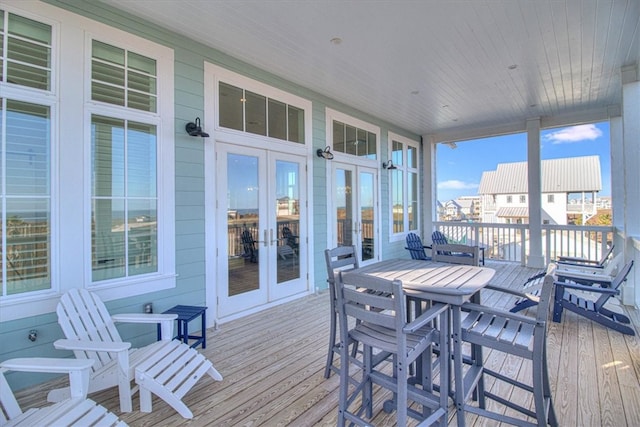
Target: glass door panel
point(355, 209)
point(243, 219)
point(367, 215)
point(262, 251)
point(344, 207)
point(287, 192)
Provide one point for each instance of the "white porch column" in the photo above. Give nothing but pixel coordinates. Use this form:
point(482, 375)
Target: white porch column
point(535, 258)
point(429, 204)
point(631, 178)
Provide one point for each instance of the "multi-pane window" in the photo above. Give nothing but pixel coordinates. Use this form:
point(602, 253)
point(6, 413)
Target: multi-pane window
point(124, 156)
point(353, 140)
point(550, 198)
point(25, 51)
point(403, 182)
point(509, 199)
point(252, 112)
point(123, 78)
point(26, 197)
point(523, 198)
point(25, 155)
point(124, 218)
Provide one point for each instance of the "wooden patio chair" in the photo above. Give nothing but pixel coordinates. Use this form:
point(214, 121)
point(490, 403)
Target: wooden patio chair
point(585, 262)
point(416, 248)
point(77, 410)
point(444, 251)
point(289, 239)
point(568, 272)
point(517, 335)
point(339, 258)
point(167, 368)
point(594, 310)
point(249, 246)
point(367, 315)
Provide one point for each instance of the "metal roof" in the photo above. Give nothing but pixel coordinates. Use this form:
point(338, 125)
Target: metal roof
point(513, 212)
point(566, 175)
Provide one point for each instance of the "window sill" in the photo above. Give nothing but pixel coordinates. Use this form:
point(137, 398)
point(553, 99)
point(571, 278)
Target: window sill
point(19, 307)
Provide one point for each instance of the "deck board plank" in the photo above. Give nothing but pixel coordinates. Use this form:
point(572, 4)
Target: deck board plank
point(273, 363)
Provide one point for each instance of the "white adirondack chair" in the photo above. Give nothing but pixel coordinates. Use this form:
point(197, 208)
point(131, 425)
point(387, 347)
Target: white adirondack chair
point(167, 368)
point(75, 411)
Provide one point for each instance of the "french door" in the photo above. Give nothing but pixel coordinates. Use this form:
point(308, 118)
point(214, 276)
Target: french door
point(262, 251)
point(355, 209)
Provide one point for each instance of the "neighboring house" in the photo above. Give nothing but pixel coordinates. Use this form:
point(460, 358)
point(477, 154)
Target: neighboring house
point(470, 207)
point(504, 191)
point(453, 211)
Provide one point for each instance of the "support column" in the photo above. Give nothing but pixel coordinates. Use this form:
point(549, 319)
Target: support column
point(535, 258)
point(429, 201)
point(631, 178)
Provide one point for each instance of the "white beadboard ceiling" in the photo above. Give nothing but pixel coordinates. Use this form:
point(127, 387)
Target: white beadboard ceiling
point(451, 68)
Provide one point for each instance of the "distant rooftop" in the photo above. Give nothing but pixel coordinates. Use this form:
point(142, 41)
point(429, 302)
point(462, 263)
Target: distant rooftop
point(567, 175)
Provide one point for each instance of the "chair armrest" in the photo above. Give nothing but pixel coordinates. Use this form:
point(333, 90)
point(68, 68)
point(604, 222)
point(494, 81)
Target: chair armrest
point(108, 346)
point(47, 364)
point(573, 260)
point(165, 321)
point(469, 306)
point(78, 370)
point(579, 287)
point(143, 317)
point(434, 311)
point(506, 291)
point(591, 277)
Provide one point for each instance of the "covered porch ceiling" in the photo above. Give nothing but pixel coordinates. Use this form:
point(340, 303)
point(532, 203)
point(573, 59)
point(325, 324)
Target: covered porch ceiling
point(452, 69)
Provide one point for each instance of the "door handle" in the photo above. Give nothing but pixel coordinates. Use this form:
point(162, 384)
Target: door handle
point(266, 242)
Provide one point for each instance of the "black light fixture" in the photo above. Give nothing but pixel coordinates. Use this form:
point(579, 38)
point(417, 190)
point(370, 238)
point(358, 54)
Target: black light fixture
point(194, 129)
point(325, 154)
point(389, 165)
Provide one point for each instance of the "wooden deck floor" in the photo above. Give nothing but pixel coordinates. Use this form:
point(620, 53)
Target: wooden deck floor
point(273, 363)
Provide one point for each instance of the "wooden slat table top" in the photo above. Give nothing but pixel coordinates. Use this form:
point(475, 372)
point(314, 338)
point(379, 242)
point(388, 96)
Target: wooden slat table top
point(448, 283)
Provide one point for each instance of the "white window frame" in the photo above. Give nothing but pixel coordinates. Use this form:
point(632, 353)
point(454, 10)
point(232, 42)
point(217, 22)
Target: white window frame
point(404, 167)
point(71, 160)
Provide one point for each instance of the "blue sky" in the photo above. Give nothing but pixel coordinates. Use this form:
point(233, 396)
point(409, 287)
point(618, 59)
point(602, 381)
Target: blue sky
point(459, 170)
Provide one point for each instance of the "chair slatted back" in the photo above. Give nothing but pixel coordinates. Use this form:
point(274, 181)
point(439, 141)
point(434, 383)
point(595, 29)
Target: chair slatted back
point(374, 306)
point(339, 258)
point(415, 247)
point(9, 407)
point(615, 284)
point(82, 315)
point(438, 238)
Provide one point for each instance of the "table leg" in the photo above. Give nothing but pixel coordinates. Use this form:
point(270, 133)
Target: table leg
point(204, 329)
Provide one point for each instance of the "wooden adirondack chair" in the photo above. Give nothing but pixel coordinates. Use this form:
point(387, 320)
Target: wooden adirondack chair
point(75, 411)
point(416, 248)
point(590, 309)
point(585, 262)
point(167, 368)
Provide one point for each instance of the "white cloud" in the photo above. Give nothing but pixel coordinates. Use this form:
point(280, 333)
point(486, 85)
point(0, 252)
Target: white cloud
point(574, 134)
point(454, 184)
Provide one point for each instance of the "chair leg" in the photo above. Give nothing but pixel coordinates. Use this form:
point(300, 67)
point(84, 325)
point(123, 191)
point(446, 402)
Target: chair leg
point(332, 343)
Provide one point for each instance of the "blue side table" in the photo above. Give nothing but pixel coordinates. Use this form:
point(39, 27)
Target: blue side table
point(187, 313)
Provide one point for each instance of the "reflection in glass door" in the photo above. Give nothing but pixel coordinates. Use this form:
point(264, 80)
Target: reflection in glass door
point(264, 228)
point(355, 209)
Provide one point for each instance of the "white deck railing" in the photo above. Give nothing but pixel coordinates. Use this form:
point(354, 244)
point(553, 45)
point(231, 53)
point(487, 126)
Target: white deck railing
point(510, 242)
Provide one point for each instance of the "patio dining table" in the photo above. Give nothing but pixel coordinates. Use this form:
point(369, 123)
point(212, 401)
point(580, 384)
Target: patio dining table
point(452, 284)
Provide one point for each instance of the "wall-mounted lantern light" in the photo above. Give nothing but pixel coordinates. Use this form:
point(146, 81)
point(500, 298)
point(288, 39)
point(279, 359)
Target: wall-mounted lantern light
point(194, 129)
point(389, 165)
point(325, 154)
